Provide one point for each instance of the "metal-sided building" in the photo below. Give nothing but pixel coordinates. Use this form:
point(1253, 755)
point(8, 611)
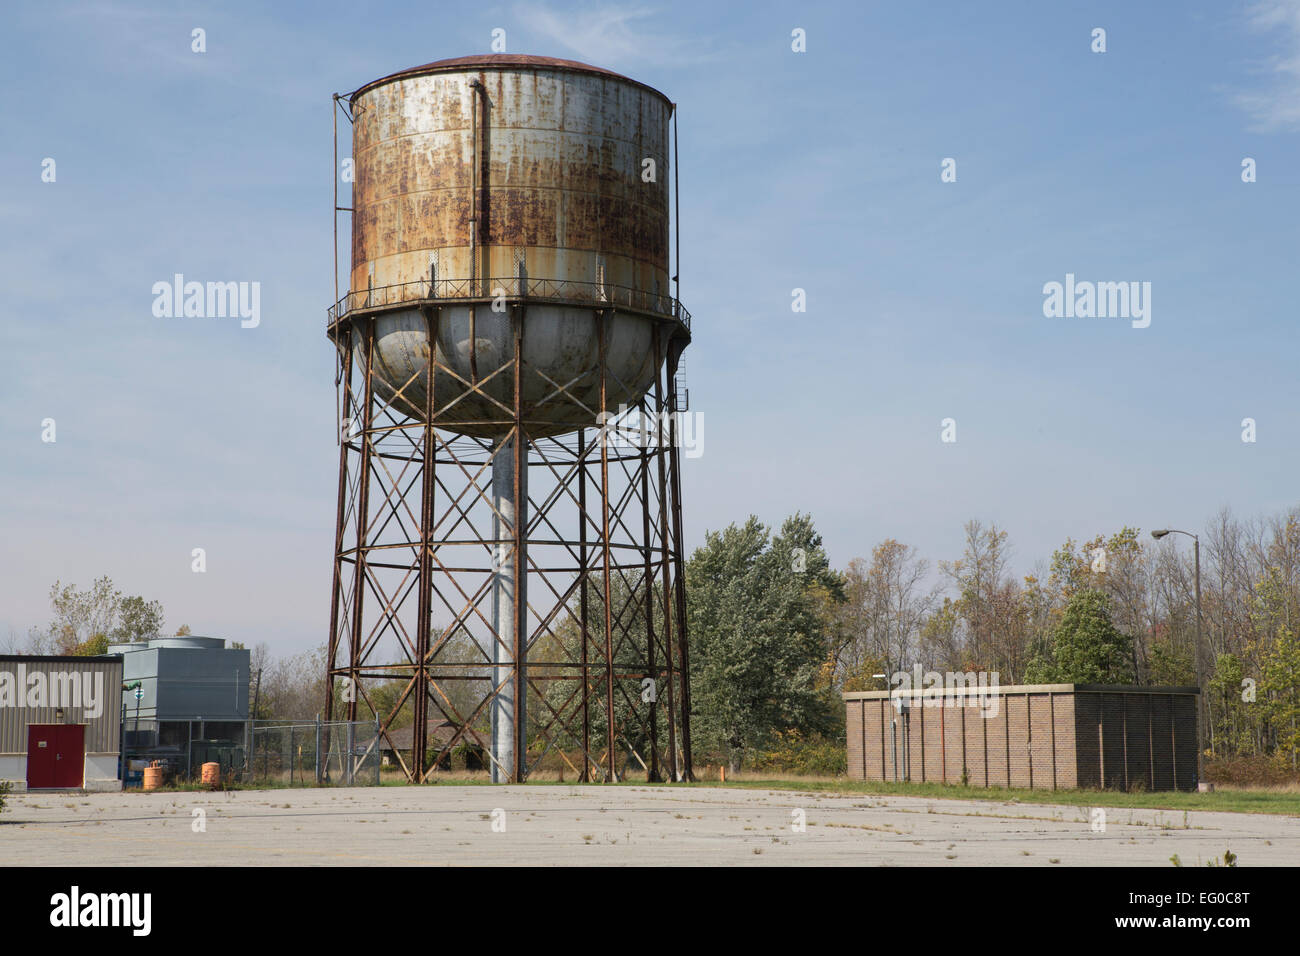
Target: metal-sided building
point(1046, 736)
point(60, 722)
point(192, 703)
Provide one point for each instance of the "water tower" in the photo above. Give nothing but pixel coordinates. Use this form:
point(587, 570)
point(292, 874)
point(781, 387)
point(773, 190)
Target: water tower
point(508, 557)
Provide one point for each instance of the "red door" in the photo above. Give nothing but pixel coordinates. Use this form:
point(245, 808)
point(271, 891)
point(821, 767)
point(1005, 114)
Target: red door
point(71, 758)
point(56, 756)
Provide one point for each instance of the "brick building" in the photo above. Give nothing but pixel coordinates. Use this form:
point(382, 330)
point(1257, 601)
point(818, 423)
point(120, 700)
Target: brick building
point(1046, 736)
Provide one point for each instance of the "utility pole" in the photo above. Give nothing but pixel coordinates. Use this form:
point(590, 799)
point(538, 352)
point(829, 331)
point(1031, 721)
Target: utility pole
point(1202, 705)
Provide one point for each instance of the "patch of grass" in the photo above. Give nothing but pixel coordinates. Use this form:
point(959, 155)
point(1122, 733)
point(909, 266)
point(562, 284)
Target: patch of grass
point(1229, 859)
point(194, 786)
point(1272, 799)
point(864, 826)
point(1234, 801)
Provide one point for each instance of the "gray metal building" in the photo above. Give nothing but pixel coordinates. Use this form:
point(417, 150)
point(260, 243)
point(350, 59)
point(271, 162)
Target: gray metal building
point(60, 722)
point(193, 700)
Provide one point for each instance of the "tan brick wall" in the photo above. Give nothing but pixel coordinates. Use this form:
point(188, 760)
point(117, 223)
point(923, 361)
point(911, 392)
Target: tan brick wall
point(1067, 757)
point(1040, 741)
point(952, 735)
point(883, 764)
point(854, 738)
point(1017, 741)
point(977, 747)
point(1040, 738)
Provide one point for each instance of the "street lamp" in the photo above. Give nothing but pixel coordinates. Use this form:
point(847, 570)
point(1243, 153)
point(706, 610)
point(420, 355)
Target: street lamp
point(1200, 647)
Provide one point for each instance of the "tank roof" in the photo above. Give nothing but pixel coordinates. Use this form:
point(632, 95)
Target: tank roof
point(191, 641)
point(502, 61)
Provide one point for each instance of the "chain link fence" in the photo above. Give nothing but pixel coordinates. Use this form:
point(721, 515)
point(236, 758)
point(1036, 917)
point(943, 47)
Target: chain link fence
point(317, 753)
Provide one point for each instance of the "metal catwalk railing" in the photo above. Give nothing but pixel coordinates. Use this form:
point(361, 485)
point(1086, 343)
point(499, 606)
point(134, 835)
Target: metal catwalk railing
point(594, 294)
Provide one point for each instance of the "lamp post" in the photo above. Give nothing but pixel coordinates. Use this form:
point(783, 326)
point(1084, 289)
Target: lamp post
point(1200, 645)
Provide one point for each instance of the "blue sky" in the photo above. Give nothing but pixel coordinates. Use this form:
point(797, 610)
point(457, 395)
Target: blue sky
point(816, 170)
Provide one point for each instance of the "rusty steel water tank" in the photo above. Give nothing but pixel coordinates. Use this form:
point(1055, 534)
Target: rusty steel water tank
point(527, 177)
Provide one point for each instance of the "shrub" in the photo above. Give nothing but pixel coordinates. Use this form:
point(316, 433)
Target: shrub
point(813, 756)
point(1257, 771)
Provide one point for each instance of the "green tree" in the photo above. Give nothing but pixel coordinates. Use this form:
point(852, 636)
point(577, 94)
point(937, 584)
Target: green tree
point(757, 637)
point(988, 607)
point(1280, 682)
point(1171, 665)
point(381, 700)
point(1086, 648)
point(1118, 566)
point(1279, 645)
point(940, 636)
point(96, 646)
point(1233, 724)
point(79, 616)
point(138, 620)
point(86, 622)
point(863, 676)
point(561, 703)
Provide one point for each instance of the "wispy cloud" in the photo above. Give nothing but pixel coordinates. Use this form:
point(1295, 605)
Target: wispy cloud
point(611, 34)
point(1277, 105)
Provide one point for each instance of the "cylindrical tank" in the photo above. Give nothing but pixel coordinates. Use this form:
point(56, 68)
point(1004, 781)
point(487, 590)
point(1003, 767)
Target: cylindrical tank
point(504, 175)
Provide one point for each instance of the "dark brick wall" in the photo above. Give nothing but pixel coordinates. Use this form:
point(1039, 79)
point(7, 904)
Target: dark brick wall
point(1137, 741)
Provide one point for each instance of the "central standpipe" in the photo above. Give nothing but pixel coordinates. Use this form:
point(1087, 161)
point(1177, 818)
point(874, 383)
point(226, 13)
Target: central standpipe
point(509, 610)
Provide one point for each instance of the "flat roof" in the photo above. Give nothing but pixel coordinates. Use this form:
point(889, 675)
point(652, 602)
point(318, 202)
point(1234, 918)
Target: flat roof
point(969, 689)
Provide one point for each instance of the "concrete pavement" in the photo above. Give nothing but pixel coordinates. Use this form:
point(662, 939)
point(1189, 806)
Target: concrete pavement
point(633, 825)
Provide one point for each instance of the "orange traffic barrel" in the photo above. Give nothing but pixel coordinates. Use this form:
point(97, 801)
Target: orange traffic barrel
point(211, 774)
point(153, 778)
